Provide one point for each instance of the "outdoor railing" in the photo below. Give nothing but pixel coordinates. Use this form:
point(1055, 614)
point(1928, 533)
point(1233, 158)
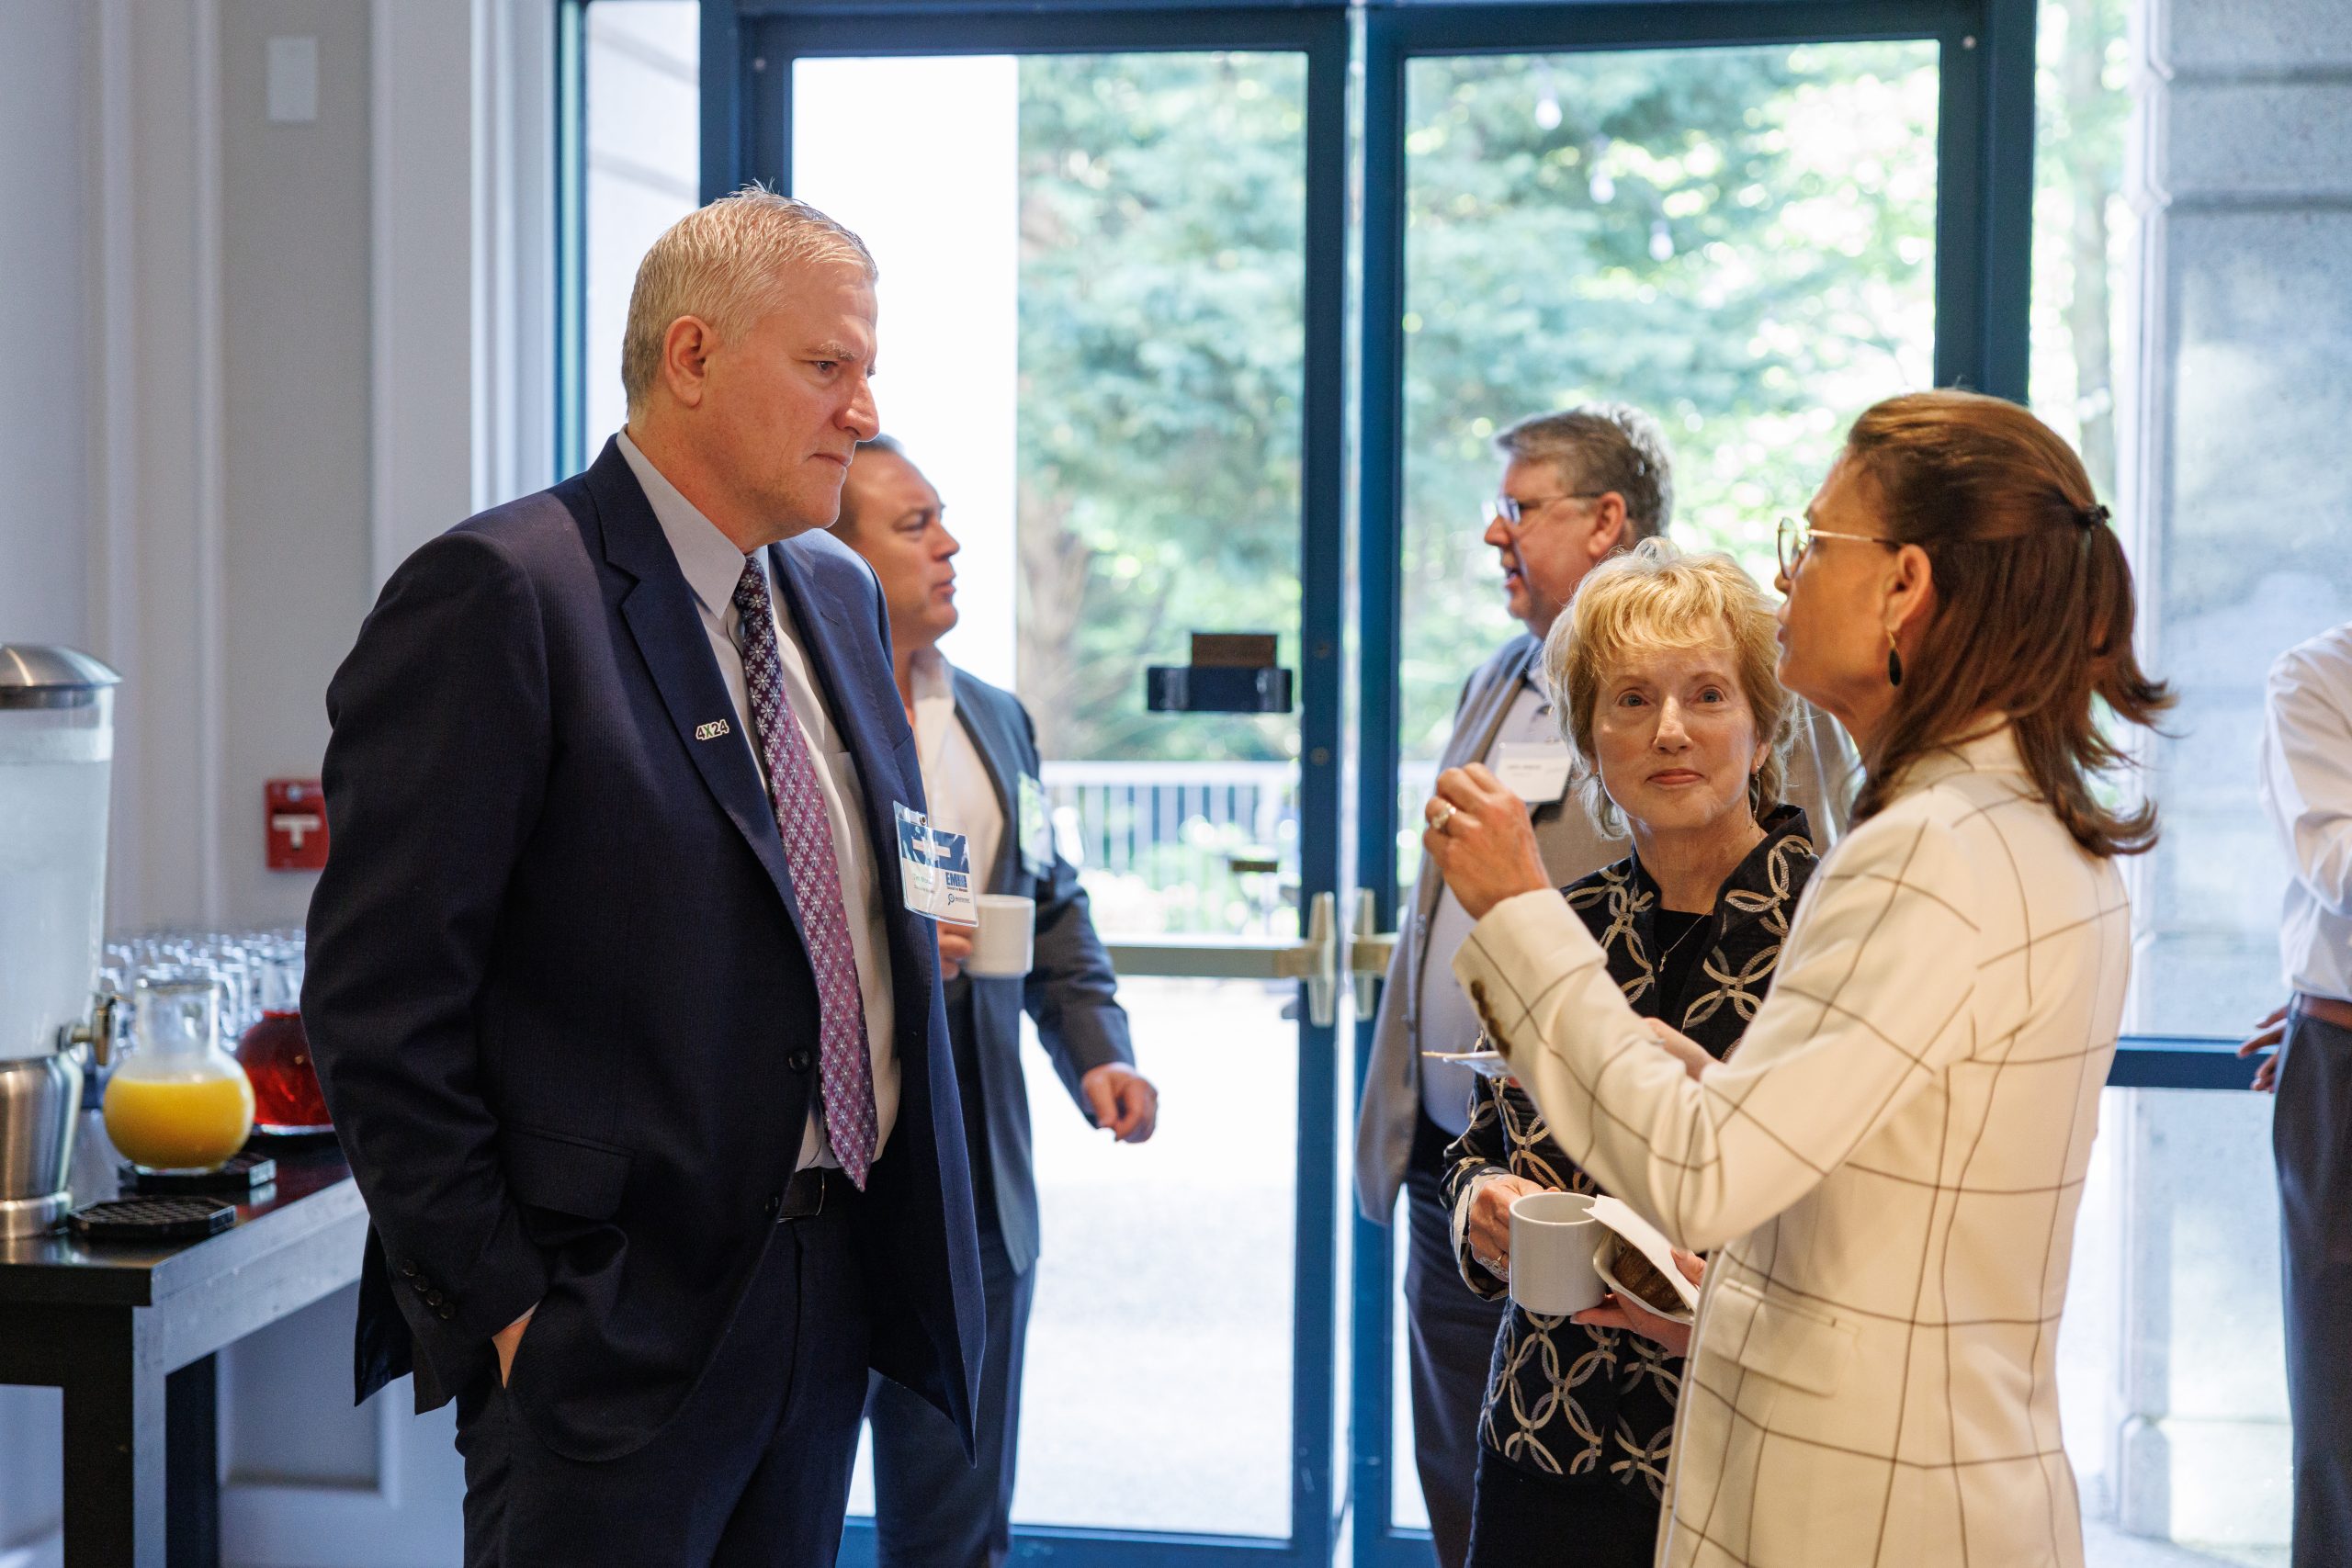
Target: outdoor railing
point(1203, 848)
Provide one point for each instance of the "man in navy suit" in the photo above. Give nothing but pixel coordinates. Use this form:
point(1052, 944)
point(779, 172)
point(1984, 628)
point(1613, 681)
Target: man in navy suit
point(637, 1052)
point(978, 752)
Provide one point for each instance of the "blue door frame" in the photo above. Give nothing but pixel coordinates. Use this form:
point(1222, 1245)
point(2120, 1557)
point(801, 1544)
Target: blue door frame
point(1984, 174)
point(748, 48)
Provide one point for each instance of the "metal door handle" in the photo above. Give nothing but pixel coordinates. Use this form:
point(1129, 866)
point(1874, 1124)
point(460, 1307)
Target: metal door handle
point(1315, 960)
point(1369, 951)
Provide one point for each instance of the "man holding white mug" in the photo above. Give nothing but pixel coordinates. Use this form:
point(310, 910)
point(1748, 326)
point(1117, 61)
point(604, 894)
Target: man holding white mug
point(1035, 949)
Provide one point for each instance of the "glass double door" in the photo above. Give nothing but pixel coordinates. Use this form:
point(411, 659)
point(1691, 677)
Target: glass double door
point(1101, 342)
point(1117, 253)
point(1737, 240)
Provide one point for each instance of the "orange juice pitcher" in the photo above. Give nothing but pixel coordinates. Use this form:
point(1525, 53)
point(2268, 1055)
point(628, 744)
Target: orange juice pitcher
point(178, 1102)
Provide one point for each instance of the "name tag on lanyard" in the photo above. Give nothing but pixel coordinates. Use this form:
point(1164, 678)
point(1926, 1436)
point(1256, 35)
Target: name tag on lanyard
point(935, 870)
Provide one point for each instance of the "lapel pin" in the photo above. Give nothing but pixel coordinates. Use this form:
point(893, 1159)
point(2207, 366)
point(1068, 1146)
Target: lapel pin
point(712, 730)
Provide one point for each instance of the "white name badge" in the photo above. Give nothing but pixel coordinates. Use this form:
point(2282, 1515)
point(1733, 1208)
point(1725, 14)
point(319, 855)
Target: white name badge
point(935, 869)
point(1536, 772)
point(1036, 828)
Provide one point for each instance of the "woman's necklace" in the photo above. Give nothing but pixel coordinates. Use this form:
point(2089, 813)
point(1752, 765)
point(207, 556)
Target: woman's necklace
point(1658, 970)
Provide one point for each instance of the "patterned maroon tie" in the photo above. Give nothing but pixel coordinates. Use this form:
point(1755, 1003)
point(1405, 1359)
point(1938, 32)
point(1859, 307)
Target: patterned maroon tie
point(844, 1069)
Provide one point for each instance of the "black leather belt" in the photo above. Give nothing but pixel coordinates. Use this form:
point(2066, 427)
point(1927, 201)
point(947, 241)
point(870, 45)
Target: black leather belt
point(804, 1195)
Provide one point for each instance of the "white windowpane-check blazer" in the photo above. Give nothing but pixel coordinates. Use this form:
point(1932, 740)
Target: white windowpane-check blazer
point(1887, 1172)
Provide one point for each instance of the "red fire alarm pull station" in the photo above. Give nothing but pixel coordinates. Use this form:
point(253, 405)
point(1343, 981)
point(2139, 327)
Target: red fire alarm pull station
point(298, 825)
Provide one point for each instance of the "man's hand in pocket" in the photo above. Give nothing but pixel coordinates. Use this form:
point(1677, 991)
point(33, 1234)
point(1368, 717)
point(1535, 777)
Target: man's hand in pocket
point(506, 1341)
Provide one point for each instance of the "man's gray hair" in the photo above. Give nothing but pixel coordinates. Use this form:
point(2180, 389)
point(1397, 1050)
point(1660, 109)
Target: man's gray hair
point(729, 263)
point(1599, 447)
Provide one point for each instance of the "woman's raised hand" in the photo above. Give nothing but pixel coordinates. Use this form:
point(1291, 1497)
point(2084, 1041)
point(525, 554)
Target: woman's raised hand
point(1477, 833)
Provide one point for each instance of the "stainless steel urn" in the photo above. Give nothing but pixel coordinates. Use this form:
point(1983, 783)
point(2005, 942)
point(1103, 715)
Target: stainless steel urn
point(56, 760)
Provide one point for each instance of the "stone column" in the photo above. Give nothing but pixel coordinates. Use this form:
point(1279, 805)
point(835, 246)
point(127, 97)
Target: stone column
point(2201, 1455)
point(2243, 185)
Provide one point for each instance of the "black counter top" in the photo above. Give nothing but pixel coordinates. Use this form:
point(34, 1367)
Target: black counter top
point(313, 1193)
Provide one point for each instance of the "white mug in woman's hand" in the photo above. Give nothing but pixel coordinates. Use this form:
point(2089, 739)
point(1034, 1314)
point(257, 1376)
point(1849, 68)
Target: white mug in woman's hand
point(1552, 1236)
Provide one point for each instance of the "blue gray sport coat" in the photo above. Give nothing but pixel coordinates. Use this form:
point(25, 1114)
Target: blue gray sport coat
point(1068, 992)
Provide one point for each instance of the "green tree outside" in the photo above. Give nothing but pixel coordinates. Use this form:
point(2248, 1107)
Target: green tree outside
point(1740, 240)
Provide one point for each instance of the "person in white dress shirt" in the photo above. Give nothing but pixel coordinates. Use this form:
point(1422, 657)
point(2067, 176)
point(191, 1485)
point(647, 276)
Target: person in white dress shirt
point(2306, 777)
point(1888, 1171)
point(978, 752)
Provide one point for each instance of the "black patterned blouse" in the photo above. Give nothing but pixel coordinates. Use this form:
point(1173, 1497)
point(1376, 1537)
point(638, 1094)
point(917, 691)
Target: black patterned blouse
point(1564, 1400)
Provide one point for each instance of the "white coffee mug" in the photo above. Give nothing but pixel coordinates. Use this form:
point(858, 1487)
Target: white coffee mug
point(1552, 1240)
point(1001, 943)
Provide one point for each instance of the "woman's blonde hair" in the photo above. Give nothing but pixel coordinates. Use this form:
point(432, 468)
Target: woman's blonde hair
point(1654, 597)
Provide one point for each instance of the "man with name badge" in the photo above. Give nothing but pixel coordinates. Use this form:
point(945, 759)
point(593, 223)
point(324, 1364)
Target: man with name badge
point(1576, 486)
point(638, 1060)
point(978, 752)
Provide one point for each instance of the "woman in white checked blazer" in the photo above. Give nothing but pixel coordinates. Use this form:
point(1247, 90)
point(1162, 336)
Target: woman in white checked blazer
point(1888, 1170)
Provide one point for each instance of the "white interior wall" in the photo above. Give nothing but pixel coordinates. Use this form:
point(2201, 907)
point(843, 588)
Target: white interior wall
point(295, 428)
point(45, 382)
point(46, 387)
point(249, 365)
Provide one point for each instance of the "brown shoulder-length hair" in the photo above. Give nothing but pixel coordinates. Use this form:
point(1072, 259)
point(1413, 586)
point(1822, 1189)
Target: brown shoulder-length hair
point(2033, 607)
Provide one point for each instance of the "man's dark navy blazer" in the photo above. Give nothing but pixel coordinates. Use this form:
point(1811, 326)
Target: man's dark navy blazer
point(555, 987)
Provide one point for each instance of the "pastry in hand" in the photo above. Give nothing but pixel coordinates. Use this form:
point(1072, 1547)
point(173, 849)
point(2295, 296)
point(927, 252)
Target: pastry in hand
point(1642, 1280)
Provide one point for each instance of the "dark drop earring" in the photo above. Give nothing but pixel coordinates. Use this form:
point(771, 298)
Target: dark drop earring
point(1893, 662)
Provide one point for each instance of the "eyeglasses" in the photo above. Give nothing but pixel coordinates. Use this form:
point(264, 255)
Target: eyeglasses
point(1796, 536)
point(1512, 510)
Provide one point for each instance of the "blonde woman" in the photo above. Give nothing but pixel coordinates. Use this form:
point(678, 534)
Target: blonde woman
point(1662, 672)
point(1889, 1169)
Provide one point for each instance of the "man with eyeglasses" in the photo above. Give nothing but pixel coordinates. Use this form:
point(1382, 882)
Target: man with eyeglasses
point(1578, 487)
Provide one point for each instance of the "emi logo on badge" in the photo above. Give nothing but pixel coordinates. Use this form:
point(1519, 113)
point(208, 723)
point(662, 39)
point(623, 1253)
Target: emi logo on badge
point(712, 730)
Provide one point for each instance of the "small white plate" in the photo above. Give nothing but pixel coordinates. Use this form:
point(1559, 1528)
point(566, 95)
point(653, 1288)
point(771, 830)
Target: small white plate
point(1601, 1265)
point(1485, 1064)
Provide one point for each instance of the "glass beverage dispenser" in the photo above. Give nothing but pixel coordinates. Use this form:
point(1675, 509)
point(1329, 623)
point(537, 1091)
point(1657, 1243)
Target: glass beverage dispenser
point(56, 758)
